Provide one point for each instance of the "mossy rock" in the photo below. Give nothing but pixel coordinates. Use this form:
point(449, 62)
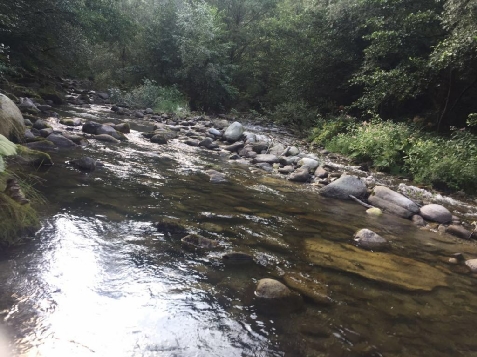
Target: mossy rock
point(34, 157)
point(53, 95)
point(401, 272)
point(16, 221)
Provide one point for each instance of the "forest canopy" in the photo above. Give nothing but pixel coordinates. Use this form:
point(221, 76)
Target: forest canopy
point(396, 59)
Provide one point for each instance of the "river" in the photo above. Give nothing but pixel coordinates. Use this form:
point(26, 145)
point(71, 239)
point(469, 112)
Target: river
point(99, 279)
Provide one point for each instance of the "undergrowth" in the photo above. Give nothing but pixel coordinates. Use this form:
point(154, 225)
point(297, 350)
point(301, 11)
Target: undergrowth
point(151, 95)
point(400, 148)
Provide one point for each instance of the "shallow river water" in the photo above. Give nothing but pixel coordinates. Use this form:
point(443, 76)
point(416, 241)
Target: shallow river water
point(100, 280)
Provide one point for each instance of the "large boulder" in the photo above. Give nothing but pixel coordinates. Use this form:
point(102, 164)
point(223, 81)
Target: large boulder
point(393, 202)
point(436, 213)
point(343, 187)
point(234, 132)
point(11, 120)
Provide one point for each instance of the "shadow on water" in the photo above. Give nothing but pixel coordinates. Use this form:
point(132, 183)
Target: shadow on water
point(100, 280)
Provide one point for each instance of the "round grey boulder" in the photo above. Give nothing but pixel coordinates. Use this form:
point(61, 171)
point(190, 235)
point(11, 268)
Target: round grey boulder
point(271, 289)
point(343, 187)
point(11, 119)
point(234, 132)
point(367, 239)
point(436, 213)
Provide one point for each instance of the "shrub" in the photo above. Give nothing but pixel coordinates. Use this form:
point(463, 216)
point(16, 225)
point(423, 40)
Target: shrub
point(151, 95)
point(437, 160)
point(327, 129)
point(384, 143)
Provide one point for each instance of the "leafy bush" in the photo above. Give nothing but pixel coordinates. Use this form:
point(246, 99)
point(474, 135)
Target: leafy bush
point(327, 129)
point(296, 114)
point(151, 95)
point(384, 143)
point(437, 160)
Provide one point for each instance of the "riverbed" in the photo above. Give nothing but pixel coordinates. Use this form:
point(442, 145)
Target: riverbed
point(99, 279)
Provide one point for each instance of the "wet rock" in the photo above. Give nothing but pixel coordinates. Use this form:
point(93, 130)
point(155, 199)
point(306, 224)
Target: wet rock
point(321, 173)
point(277, 149)
point(40, 124)
point(26, 105)
point(90, 127)
point(472, 264)
point(260, 147)
point(196, 242)
point(291, 151)
point(77, 139)
point(138, 114)
point(436, 213)
point(458, 231)
point(311, 288)
point(124, 128)
point(345, 186)
point(286, 170)
point(369, 240)
point(215, 176)
point(290, 160)
point(267, 158)
point(209, 144)
point(235, 146)
point(273, 297)
point(167, 225)
point(42, 145)
point(71, 121)
point(389, 207)
point(33, 157)
point(60, 141)
point(375, 211)
point(264, 166)
point(311, 164)
point(237, 257)
point(85, 163)
point(215, 132)
point(107, 129)
point(418, 220)
point(405, 273)
point(191, 142)
point(106, 138)
point(234, 132)
point(163, 136)
point(387, 199)
point(300, 175)
point(46, 132)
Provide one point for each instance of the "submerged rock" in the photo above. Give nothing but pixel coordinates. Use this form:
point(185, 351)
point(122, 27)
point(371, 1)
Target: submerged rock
point(197, 242)
point(458, 231)
point(311, 288)
point(436, 213)
point(405, 273)
point(237, 257)
point(369, 240)
point(273, 297)
point(85, 163)
point(60, 141)
point(472, 264)
point(107, 138)
point(343, 187)
point(216, 176)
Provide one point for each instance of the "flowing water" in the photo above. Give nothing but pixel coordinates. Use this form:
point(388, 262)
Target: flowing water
point(100, 280)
